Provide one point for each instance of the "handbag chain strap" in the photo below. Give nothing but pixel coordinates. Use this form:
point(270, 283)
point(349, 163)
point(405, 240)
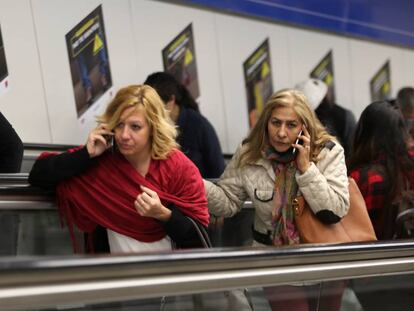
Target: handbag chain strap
point(202, 233)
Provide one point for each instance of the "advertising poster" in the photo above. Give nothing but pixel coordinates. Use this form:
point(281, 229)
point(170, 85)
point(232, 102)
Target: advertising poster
point(258, 81)
point(380, 84)
point(179, 59)
point(4, 73)
point(89, 64)
point(324, 71)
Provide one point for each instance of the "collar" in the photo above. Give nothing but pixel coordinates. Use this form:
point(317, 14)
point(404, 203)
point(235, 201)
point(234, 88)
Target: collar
point(182, 116)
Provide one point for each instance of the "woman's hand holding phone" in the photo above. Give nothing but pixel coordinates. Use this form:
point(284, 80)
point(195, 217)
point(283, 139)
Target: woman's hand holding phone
point(99, 140)
point(297, 142)
point(302, 148)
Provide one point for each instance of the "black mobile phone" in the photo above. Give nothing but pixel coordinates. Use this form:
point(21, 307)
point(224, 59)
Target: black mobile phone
point(298, 141)
point(109, 139)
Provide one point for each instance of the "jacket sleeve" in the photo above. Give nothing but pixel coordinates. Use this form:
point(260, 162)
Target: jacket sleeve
point(325, 185)
point(48, 171)
point(181, 230)
point(212, 154)
point(226, 198)
point(11, 148)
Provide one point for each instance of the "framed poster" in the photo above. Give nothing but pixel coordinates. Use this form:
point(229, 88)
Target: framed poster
point(380, 84)
point(324, 71)
point(4, 72)
point(179, 59)
point(258, 81)
point(89, 62)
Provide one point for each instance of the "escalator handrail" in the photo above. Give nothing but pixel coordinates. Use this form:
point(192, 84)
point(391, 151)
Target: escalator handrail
point(47, 147)
point(42, 283)
point(14, 177)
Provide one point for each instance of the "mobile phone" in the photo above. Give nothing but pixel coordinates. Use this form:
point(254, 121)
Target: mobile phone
point(298, 141)
point(109, 139)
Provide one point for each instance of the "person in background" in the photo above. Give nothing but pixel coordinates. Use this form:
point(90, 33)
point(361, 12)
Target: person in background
point(11, 155)
point(405, 100)
point(271, 167)
point(197, 137)
point(339, 121)
point(381, 164)
point(129, 178)
point(11, 148)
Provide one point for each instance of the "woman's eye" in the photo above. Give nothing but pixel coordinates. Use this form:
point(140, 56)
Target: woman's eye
point(292, 125)
point(135, 127)
point(119, 125)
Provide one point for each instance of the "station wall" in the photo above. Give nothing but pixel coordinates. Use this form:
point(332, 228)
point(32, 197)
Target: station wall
point(40, 100)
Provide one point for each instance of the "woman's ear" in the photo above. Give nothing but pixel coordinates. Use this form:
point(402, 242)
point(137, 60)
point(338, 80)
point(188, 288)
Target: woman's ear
point(169, 105)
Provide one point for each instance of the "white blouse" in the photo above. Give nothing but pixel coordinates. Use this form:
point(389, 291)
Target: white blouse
point(120, 243)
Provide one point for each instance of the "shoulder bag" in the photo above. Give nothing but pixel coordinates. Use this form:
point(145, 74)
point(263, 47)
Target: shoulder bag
point(355, 226)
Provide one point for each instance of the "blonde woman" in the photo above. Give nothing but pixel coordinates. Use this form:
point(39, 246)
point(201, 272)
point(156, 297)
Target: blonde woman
point(288, 152)
point(139, 187)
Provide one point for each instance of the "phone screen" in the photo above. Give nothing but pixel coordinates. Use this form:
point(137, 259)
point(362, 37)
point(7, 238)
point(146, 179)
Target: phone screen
point(298, 141)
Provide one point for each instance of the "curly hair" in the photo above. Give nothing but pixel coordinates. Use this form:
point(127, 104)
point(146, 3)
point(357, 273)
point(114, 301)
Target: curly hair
point(162, 130)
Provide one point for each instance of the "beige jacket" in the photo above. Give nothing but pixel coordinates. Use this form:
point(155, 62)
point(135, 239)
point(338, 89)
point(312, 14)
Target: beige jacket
point(324, 186)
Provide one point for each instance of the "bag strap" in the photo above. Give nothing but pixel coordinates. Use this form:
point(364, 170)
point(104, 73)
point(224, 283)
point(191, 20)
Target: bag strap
point(202, 233)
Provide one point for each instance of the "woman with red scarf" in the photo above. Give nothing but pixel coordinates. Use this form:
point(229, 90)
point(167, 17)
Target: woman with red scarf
point(129, 178)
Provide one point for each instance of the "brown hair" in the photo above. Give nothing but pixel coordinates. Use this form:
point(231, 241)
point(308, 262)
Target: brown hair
point(258, 139)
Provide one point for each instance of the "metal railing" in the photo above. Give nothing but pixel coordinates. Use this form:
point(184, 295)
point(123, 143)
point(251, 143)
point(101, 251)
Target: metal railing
point(40, 283)
point(47, 281)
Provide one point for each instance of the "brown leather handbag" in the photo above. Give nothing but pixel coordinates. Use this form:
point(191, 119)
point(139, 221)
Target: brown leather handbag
point(355, 226)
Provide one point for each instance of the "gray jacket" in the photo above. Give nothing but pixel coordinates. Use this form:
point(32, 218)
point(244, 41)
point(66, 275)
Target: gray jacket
point(324, 186)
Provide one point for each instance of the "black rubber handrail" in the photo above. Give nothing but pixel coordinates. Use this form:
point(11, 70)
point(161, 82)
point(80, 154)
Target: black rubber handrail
point(51, 147)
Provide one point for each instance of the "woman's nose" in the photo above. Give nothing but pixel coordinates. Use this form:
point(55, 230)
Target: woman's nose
point(281, 132)
point(125, 133)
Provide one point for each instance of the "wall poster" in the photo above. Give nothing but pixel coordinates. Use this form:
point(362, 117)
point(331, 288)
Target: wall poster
point(89, 64)
point(179, 59)
point(324, 71)
point(4, 73)
point(258, 81)
point(380, 84)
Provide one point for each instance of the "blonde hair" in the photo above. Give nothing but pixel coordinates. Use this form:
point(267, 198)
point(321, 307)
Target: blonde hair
point(162, 130)
point(258, 139)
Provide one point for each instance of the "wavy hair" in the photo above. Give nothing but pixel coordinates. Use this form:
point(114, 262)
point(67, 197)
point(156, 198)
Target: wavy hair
point(258, 139)
point(162, 130)
point(381, 135)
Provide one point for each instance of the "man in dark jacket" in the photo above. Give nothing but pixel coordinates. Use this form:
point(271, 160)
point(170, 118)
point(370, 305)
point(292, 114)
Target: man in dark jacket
point(197, 137)
point(340, 122)
point(405, 100)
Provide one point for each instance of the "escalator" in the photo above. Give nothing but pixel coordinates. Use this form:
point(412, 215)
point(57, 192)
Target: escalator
point(369, 276)
point(38, 270)
point(33, 150)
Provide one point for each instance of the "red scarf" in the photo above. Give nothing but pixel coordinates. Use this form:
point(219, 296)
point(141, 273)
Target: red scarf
point(106, 192)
